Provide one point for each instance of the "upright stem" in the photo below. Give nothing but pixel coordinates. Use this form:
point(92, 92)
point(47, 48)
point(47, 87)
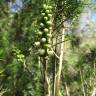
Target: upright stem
point(67, 89)
point(54, 70)
point(46, 80)
point(83, 89)
point(60, 64)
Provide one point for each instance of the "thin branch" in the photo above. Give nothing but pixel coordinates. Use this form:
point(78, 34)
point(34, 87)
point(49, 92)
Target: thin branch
point(59, 24)
point(60, 42)
point(55, 54)
point(26, 67)
point(60, 34)
point(82, 83)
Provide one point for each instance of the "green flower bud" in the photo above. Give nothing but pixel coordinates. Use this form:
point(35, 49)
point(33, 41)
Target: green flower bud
point(50, 7)
point(49, 35)
point(41, 51)
point(47, 11)
point(45, 18)
point(49, 23)
point(41, 24)
point(45, 6)
point(46, 30)
point(50, 28)
point(39, 33)
point(43, 14)
point(43, 40)
point(50, 15)
point(19, 60)
point(37, 44)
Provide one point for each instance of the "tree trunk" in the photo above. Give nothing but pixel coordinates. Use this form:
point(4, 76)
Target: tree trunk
point(46, 79)
point(54, 70)
point(60, 65)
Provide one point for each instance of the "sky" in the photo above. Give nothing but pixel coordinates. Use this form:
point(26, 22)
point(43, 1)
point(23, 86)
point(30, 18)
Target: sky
point(87, 21)
point(14, 7)
point(93, 16)
point(86, 15)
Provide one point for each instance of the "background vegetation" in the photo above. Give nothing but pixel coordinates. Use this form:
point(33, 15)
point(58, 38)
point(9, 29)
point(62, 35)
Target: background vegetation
point(68, 66)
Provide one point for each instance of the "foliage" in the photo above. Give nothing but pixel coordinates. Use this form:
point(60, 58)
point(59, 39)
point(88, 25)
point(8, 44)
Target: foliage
point(21, 69)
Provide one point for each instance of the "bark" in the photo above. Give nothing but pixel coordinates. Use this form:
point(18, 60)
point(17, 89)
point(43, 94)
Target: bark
point(60, 65)
point(46, 79)
point(54, 70)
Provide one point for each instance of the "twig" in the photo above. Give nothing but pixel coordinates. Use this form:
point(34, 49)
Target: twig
point(55, 54)
point(60, 42)
point(26, 67)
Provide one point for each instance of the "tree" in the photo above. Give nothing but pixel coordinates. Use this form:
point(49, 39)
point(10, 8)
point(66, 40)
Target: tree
point(35, 43)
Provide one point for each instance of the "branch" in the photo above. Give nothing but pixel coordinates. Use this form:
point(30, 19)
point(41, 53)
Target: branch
point(60, 34)
point(55, 53)
point(59, 24)
point(60, 42)
point(26, 67)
